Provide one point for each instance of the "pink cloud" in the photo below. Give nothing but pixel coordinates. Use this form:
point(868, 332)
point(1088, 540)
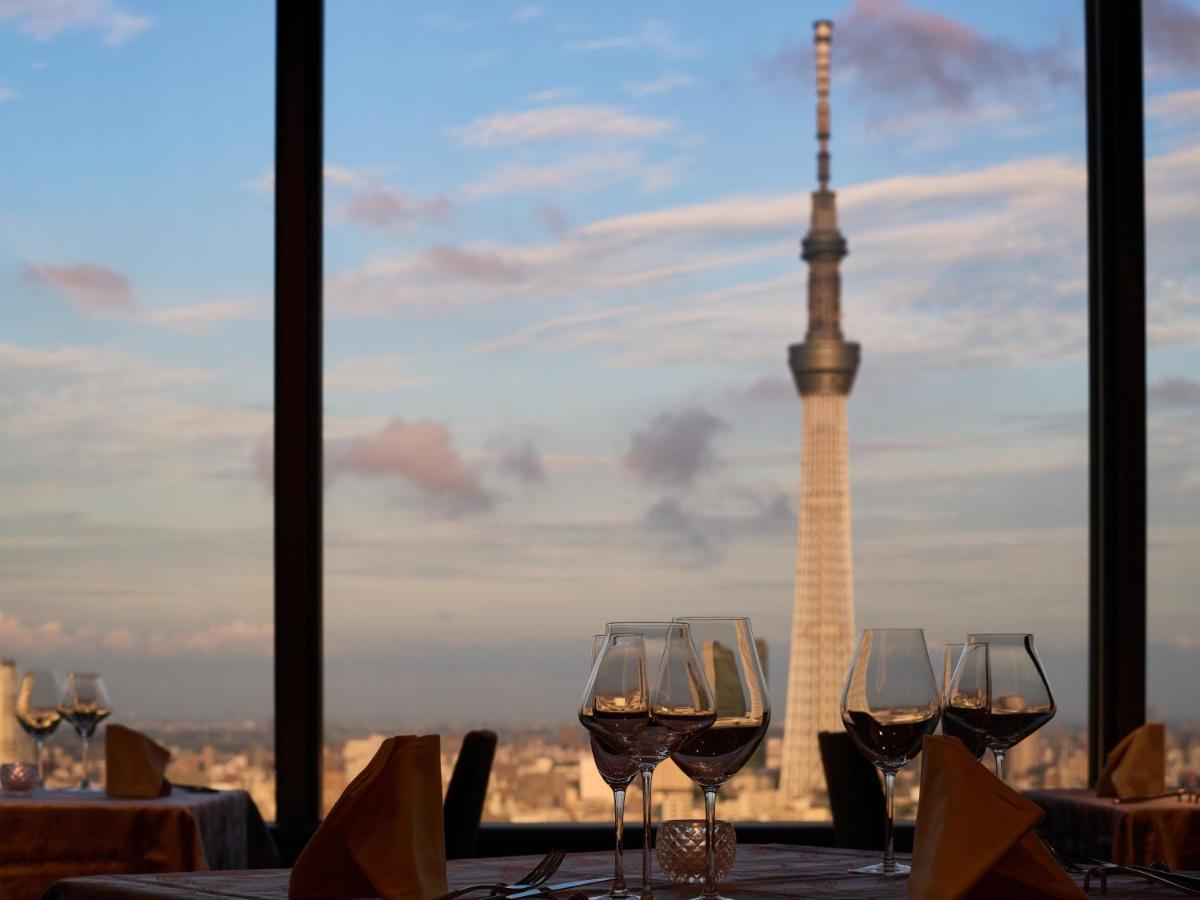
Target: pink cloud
point(423, 454)
point(237, 638)
point(90, 289)
point(381, 207)
point(471, 265)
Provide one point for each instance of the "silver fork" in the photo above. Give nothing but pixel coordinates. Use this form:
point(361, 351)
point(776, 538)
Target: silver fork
point(535, 877)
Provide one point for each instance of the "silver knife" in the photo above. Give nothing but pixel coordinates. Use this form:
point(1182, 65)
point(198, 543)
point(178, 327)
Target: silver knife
point(561, 886)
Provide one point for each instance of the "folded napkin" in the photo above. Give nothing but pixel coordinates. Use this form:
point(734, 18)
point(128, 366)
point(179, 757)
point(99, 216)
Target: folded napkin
point(974, 835)
point(1135, 767)
point(384, 836)
point(134, 764)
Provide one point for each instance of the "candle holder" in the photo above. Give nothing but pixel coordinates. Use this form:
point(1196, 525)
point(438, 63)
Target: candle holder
point(680, 850)
point(18, 777)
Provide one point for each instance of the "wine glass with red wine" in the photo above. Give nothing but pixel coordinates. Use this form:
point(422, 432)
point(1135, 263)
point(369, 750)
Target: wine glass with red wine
point(743, 712)
point(972, 740)
point(647, 694)
point(890, 702)
point(617, 770)
point(1000, 691)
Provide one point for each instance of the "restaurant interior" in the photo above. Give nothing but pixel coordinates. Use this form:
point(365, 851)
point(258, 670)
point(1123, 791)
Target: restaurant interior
point(375, 362)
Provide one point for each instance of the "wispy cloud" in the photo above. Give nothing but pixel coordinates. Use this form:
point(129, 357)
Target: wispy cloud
point(46, 19)
point(523, 462)
point(91, 289)
point(588, 169)
point(199, 318)
point(558, 123)
point(670, 81)
point(653, 35)
point(385, 208)
point(526, 13)
point(372, 374)
point(1176, 392)
point(7, 93)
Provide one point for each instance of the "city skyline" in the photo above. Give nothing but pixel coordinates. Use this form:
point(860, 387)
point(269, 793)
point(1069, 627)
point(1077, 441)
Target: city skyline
point(560, 277)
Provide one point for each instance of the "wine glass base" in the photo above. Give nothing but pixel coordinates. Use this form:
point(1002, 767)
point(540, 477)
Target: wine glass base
point(710, 897)
point(898, 870)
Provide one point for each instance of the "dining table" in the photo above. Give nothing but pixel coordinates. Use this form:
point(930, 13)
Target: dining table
point(49, 835)
point(760, 871)
point(1080, 823)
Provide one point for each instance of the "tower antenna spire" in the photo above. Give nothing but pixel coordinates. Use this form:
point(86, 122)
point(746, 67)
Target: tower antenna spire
point(822, 39)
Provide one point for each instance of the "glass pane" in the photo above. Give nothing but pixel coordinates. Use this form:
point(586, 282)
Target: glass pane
point(1172, 80)
point(136, 407)
point(562, 284)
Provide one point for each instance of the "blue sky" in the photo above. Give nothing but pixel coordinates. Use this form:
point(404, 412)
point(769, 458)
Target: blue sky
point(554, 231)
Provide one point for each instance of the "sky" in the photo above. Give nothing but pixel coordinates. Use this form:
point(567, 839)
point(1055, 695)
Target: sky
point(561, 279)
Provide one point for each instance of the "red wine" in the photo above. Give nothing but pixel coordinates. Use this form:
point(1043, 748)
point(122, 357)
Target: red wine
point(612, 762)
point(645, 738)
point(972, 739)
point(1001, 729)
point(890, 743)
point(714, 756)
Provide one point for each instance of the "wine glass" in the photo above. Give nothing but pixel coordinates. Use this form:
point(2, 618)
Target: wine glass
point(743, 712)
point(647, 694)
point(85, 705)
point(618, 771)
point(890, 702)
point(971, 739)
point(1001, 691)
point(37, 710)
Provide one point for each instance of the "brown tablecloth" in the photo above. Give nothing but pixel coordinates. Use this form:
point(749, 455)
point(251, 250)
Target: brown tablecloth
point(759, 872)
point(58, 834)
point(1078, 823)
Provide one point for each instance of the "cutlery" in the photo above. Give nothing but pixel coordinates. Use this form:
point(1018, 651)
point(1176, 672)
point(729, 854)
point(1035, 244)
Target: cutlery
point(539, 874)
point(563, 886)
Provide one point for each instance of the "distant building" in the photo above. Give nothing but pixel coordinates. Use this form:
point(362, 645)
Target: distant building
point(823, 367)
point(12, 738)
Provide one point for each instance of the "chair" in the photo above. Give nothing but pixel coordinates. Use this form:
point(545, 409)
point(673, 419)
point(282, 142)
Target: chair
point(855, 794)
point(463, 808)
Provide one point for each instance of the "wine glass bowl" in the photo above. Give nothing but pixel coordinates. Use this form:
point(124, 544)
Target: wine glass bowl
point(36, 709)
point(951, 727)
point(85, 704)
point(1000, 692)
point(618, 771)
point(889, 704)
point(729, 655)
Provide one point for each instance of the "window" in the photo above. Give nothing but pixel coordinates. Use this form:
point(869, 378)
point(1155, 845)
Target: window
point(561, 281)
point(136, 413)
point(1172, 107)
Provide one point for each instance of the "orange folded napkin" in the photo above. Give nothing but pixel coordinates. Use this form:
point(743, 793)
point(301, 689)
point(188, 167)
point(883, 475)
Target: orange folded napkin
point(1136, 766)
point(974, 835)
point(134, 764)
point(384, 837)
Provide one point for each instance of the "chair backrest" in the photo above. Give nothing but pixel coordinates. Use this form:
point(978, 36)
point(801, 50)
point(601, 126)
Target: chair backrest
point(855, 794)
point(463, 808)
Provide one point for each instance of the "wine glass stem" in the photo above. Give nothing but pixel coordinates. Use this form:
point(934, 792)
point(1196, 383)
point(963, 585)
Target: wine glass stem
point(85, 742)
point(647, 777)
point(710, 843)
point(39, 744)
point(999, 755)
point(889, 850)
point(618, 886)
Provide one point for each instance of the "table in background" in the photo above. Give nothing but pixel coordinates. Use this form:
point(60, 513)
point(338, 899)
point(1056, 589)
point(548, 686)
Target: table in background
point(1078, 823)
point(764, 871)
point(52, 835)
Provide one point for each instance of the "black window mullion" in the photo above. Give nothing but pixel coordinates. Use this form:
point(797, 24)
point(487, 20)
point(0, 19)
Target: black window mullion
point(1117, 375)
point(298, 427)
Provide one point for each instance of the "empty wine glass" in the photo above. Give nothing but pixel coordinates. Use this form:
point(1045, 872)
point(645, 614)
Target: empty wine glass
point(890, 702)
point(743, 712)
point(617, 770)
point(85, 705)
point(1000, 691)
point(647, 694)
point(36, 708)
point(971, 739)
